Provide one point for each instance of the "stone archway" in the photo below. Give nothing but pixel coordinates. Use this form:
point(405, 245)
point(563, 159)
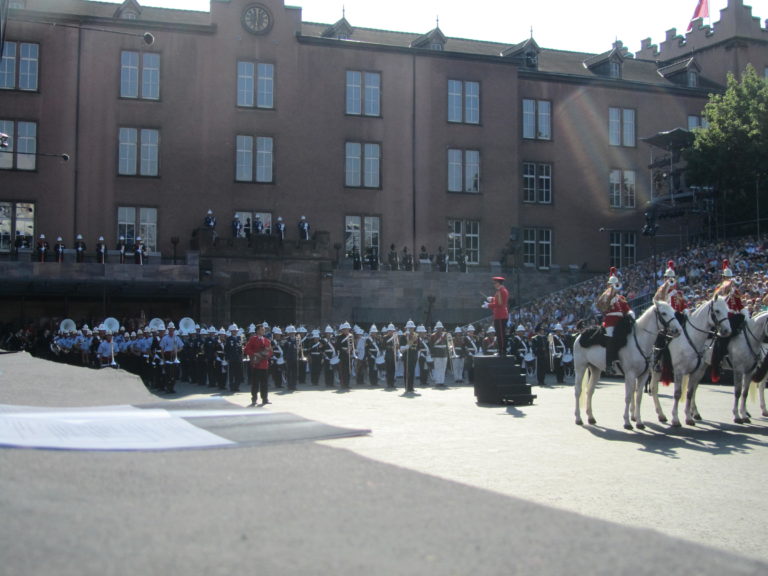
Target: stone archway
point(276, 306)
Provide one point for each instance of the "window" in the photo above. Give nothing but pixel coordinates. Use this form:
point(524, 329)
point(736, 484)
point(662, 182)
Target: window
point(21, 153)
point(254, 165)
point(693, 79)
point(463, 171)
point(16, 219)
point(537, 247)
point(697, 122)
point(144, 66)
point(621, 126)
point(135, 221)
point(537, 119)
point(463, 102)
point(19, 66)
point(362, 165)
point(361, 234)
point(264, 217)
point(622, 189)
point(537, 183)
point(139, 152)
point(465, 235)
point(623, 248)
point(363, 93)
point(255, 85)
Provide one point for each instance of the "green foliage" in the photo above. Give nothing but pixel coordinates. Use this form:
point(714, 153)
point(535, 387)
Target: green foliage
point(732, 152)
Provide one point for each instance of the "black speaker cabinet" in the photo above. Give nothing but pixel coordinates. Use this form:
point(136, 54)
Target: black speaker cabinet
point(501, 381)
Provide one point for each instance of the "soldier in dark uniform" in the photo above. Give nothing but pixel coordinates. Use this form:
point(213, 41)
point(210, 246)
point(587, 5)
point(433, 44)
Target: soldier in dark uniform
point(277, 361)
point(209, 353)
point(210, 220)
point(301, 343)
point(247, 229)
point(558, 349)
point(79, 248)
point(391, 344)
point(357, 263)
point(441, 260)
point(461, 259)
point(540, 348)
point(120, 247)
point(258, 226)
point(303, 228)
point(345, 348)
point(373, 350)
point(329, 352)
point(101, 251)
point(373, 258)
point(393, 258)
point(18, 244)
point(41, 249)
point(139, 252)
point(58, 250)
point(290, 350)
point(237, 226)
point(279, 229)
point(315, 350)
point(409, 345)
point(407, 260)
point(233, 351)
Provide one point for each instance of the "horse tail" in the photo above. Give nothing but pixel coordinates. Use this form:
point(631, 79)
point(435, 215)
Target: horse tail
point(752, 393)
point(684, 386)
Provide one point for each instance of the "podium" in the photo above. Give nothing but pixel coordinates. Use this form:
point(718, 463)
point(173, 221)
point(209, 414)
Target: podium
point(501, 381)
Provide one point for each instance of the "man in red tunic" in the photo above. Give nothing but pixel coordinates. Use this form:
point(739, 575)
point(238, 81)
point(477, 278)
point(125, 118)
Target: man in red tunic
point(737, 312)
point(498, 305)
point(615, 308)
point(259, 349)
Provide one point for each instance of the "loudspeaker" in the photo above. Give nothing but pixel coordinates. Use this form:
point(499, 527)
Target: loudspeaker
point(501, 381)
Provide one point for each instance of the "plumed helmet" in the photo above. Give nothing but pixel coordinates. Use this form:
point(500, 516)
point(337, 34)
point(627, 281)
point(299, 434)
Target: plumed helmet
point(491, 330)
point(470, 328)
point(345, 325)
point(232, 326)
point(222, 332)
point(410, 324)
point(520, 328)
point(276, 330)
point(373, 329)
point(613, 280)
point(458, 330)
point(420, 329)
point(670, 272)
point(439, 325)
point(727, 272)
point(390, 327)
point(290, 329)
point(328, 330)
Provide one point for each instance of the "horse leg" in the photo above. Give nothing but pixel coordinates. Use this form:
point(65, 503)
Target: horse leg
point(577, 384)
point(738, 397)
point(655, 395)
point(639, 388)
point(676, 395)
point(591, 384)
point(628, 390)
point(761, 395)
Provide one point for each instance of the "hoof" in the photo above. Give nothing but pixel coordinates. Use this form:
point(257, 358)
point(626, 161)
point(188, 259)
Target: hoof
point(579, 422)
point(640, 426)
point(592, 421)
point(697, 416)
point(690, 422)
point(663, 419)
point(765, 412)
point(738, 421)
point(677, 424)
point(747, 421)
point(628, 427)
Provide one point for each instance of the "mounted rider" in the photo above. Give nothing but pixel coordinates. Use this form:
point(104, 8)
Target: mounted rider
point(617, 318)
point(737, 314)
point(670, 293)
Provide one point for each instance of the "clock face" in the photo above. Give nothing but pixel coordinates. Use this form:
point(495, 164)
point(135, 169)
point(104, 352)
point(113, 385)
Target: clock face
point(257, 19)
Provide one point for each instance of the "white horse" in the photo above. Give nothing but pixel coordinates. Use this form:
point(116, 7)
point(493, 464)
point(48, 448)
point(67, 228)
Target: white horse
point(635, 359)
point(745, 352)
point(687, 354)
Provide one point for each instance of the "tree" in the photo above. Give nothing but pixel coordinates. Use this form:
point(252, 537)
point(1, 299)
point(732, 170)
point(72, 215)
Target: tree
point(731, 153)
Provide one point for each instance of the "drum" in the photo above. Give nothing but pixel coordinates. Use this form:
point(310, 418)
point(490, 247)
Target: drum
point(529, 357)
point(280, 361)
point(380, 359)
point(334, 360)
point(567, 358)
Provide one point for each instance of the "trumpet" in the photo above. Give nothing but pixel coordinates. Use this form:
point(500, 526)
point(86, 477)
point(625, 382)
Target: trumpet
point(301, 356)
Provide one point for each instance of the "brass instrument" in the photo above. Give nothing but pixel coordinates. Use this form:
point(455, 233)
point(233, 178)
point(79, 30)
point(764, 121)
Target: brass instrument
point(551, 341)
point(301, 355)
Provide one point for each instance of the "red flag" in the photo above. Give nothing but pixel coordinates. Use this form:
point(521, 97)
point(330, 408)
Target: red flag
point(702, 11)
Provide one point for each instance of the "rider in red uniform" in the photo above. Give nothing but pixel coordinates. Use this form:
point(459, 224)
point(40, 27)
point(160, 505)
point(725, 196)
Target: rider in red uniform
point(615, 308)
point(737, 313)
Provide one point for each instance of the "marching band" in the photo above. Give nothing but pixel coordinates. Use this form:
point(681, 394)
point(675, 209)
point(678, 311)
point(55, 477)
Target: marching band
point(162, 354)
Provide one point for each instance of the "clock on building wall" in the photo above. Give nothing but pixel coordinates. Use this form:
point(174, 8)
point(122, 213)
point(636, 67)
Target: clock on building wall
point(257, 19)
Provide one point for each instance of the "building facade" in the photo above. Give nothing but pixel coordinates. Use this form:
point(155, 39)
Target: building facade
point(508, 153)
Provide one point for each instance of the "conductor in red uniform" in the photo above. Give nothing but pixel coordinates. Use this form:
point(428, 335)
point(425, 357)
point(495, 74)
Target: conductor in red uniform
point(498, 305)
point(259, 349)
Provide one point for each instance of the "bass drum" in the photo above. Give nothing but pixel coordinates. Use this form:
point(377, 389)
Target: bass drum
point(334, 360)
point(567, 358)
point(380, 359)
point(529, 357)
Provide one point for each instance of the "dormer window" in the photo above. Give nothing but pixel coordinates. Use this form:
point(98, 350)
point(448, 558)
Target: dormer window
point(693, 79)
point(129, 15)
point(437, 46)
point(432, 40)
point(615, 69)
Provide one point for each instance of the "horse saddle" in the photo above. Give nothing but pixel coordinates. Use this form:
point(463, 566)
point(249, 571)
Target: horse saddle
point(593, 336)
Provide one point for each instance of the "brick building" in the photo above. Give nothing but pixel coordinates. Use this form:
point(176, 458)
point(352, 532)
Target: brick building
point(518, 155)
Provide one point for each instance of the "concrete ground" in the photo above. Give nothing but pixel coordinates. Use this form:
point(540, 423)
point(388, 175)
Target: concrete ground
point(441, 485)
